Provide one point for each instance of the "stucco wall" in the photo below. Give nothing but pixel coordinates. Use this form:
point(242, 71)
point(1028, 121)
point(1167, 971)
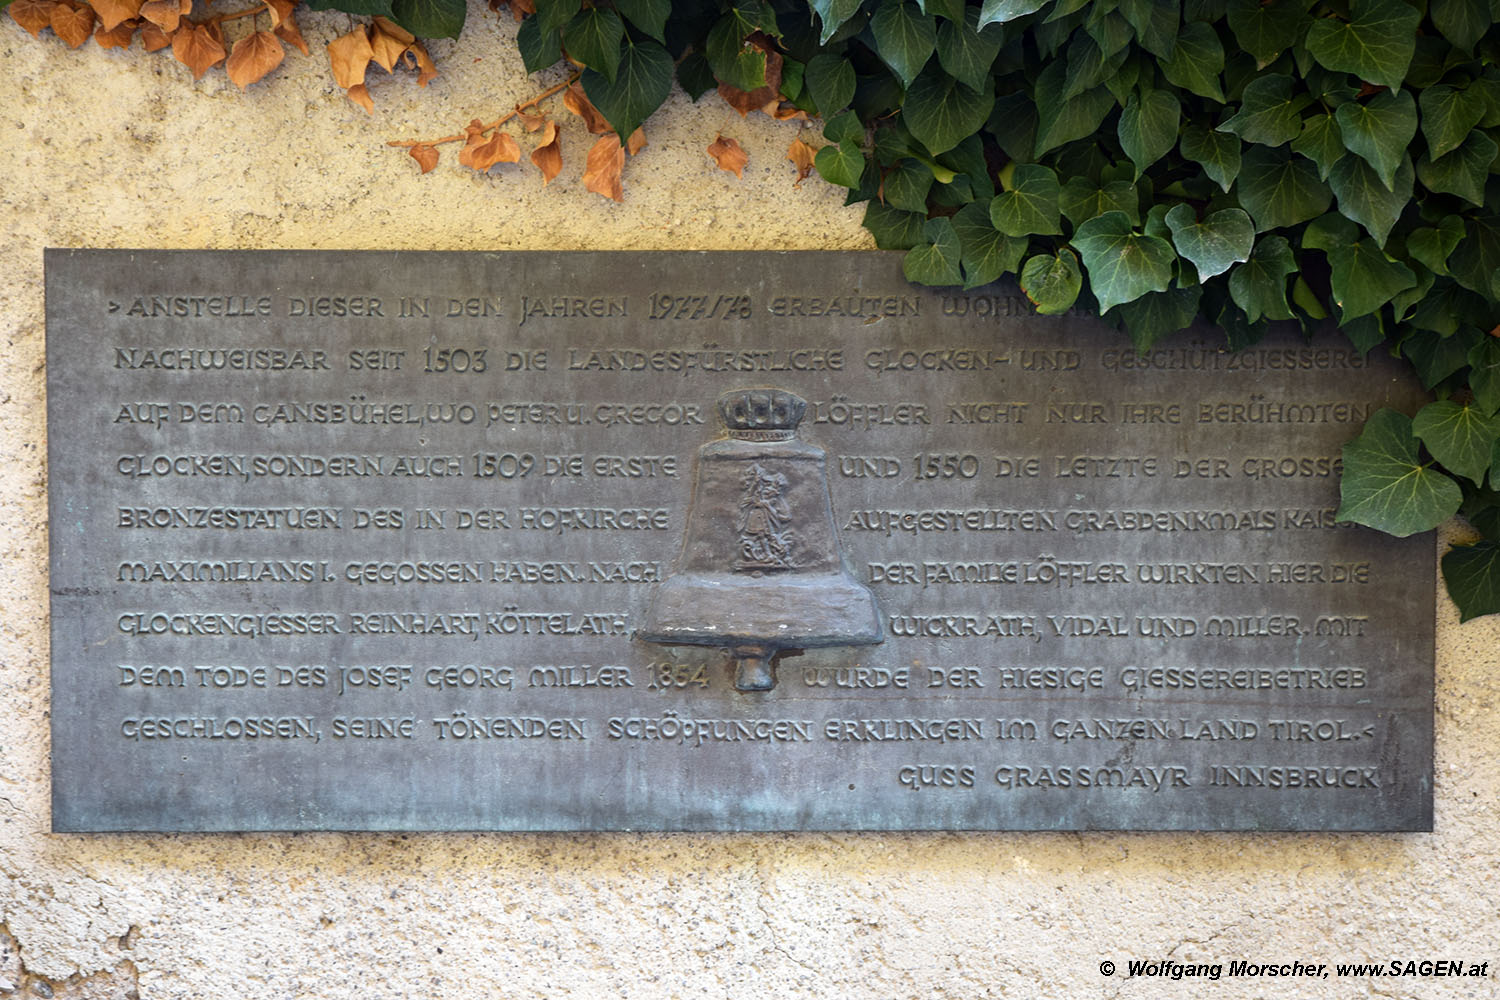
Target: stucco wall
point(110, 149)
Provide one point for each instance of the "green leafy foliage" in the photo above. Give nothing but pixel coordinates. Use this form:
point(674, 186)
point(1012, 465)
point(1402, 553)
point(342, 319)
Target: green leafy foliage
point(1386, 486)
point(1472, 573)
point(1237, 161)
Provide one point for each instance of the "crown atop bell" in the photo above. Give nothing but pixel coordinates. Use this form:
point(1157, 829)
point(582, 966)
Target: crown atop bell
point(761, 414)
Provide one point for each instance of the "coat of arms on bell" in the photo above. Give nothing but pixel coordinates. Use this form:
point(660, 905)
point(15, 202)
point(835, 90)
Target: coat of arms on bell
point(761, 569)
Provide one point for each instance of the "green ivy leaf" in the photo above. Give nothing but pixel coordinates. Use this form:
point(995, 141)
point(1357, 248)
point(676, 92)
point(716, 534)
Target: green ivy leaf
point(906, 185)
point(369, 8)
point(1364, 333)
point(892, 228)
point(844, 127)
point(1155, 23)
point(1278, 190)
point(1380, 131)
point(1158, 314)
point(1148, 127)
point(1484, 378)
point(1376, 44)
point(593, 37)
point(538, 49)
point(1013, 125)
point(1216, 152)
point(1001, 11)
point(1330, 231)
point(1437, 357)
point(904, 37)
point(1266, 30)
point(935, 260)
point(1462, 22)
point(1269, 113)
point(830, 80)
point(841, 163)
point(1258, 286)
point(1472, 575)
point(1061, 121)
point(967, 52)
point(430, 18)
point(1197, 61)
point(1122, 264)
point(1052, 283)
point(1363, 278)
point(1460, 437)
point(1448, 116)
point(1214, 245)
point(987, 253)
point(953, 10)
point(1364, 197)
point(553, 15)
point(734, 61)
point(1385, 487)
point(941, 112)
point(1031, 203)
point(1475, 262)
point(832, 14)
point(1462, 172)
point(1083, 200)
point(1430, 246)
point(649, 16)
point(642, 81)
point(1321, 141)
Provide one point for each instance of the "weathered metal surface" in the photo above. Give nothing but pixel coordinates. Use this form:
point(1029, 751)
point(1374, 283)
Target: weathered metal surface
point(364, 540)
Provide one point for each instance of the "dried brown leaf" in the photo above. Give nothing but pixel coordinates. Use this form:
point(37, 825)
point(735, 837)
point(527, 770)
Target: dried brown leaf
point(728, 154)
point(74, 25)
point(253, 57)
point(281, 11)
point(386, 50)
point(532, 122)
point(113, 13)
point(577, 102)
point(801, 155)
point(350, 56)
point(360, 94)
point(117, 37)
point(33, 15)
point(198, 47)
point(426, 156)
point(386, 26)
point(288, 32)
point(474, 129)
point(601, 172)
point(153, 39)
point(165, 14)
point(785, 111)
point(426, 70)
point(548, 154)
point(522, 8)
point(481, 153)
point(636, 142)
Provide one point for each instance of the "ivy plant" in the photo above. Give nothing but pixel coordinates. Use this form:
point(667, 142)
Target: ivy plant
point(1246, 162)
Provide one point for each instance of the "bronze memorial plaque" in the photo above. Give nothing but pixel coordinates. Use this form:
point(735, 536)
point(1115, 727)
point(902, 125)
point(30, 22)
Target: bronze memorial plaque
point(705, 541)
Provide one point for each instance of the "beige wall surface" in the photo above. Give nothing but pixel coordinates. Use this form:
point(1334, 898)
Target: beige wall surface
point(121, 149)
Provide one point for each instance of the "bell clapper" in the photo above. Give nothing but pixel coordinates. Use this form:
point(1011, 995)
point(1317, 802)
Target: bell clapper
point(752, 668)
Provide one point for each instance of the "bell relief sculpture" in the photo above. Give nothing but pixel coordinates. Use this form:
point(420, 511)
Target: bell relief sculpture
point(761, 569)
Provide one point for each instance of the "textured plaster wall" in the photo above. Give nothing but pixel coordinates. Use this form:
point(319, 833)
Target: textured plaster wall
point(112, 149)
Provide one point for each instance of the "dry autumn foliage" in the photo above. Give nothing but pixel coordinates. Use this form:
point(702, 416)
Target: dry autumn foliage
point(250, 56)
point(729, 155)
point(200, 45)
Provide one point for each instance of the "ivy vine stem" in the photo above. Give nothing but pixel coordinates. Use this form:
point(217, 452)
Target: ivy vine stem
point(463, 136)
